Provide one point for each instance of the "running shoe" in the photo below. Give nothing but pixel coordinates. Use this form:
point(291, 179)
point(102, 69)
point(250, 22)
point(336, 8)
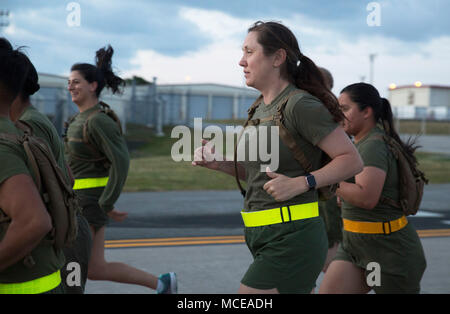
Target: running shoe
point(170, 283)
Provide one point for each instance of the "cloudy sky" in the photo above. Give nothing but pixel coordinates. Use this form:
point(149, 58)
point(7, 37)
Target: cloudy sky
point(199, 41)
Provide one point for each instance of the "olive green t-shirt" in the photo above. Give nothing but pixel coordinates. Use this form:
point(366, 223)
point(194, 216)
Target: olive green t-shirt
point(375, 153)
point(308, 121)
point(105, 135)
point(44, 128)
point(14, 162)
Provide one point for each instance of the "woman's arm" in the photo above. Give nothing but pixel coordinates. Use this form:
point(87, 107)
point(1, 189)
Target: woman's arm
point(345, 163)
point(107, 137)
point(30, 221)
point(366, 190)
point(345, 159)
point(205, 156)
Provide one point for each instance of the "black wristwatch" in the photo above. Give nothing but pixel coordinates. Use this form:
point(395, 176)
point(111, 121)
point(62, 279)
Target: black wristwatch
point(310, 181)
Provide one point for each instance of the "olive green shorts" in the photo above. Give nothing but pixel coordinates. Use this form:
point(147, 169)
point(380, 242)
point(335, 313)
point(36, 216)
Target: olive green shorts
point(399, 255)
point(95, 215)
point(331, 214)
point(57, 290)
point(79, 252)
point(287, 256)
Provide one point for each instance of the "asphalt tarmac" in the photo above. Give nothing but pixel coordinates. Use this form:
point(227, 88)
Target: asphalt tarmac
point(198, 234)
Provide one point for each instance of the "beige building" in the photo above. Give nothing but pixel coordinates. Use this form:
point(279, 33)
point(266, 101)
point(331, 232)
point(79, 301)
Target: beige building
point(420, 101)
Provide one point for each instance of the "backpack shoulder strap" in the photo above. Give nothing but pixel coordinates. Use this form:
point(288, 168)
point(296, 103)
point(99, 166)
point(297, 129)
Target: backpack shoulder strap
point(66, 127)
point(109, 112)
point(85, 126)
point(87, 142)
point(252, 109)
point(106, 109)
point(251, 112)
point(24, 142)
point(287, 137)
point(24, 126)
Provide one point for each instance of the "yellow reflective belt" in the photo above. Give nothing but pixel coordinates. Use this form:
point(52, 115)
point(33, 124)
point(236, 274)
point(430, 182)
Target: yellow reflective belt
point(280, 214)
point(39, 285)
point(89, 183)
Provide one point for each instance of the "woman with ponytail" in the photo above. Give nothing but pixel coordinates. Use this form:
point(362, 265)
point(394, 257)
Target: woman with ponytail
point(374, 231)
point(98, 157)
point(283, 229)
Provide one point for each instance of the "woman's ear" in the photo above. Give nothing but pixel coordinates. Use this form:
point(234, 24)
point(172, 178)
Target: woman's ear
point(368, 112)
point(93, 86)
point(279, 58)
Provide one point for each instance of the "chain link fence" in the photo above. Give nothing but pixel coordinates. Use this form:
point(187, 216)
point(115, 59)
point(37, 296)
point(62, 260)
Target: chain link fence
point(157, 106)
point(151, 105)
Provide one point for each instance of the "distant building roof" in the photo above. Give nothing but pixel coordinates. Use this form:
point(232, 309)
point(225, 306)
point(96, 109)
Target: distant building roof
point(422, 86)
point(206, 88)
point(52, 80)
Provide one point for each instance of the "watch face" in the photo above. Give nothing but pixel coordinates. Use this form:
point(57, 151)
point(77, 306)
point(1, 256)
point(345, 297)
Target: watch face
point(311, 181)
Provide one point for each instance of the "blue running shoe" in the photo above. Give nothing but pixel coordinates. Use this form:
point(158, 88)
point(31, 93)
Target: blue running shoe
point(170, 283)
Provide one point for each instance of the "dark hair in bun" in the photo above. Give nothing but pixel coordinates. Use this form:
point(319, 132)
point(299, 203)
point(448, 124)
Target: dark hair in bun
point(102, 72)
point(14, 69)
point(366, 95)
point(31, 84)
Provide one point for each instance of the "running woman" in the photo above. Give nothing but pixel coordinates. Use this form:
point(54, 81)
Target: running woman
point(98, 156)
point(374, 231)
point(283, 229)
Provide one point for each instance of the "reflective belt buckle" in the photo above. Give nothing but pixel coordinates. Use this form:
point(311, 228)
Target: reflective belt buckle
point(384, 223)
point(285, 213)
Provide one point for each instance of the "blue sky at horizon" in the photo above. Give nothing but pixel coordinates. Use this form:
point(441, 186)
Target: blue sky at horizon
point(195, 41)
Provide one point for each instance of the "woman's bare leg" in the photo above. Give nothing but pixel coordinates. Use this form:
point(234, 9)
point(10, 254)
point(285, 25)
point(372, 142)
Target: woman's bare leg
point(344, 277)
point(100, 269)
point(243, 289)
point(330, 256)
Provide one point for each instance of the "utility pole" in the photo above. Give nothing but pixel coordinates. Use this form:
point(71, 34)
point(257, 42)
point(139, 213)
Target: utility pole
point(2, 14)
point(372, 59)
point(2, 22)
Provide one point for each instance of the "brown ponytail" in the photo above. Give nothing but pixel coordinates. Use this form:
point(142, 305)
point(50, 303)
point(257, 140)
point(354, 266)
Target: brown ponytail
point(310, 78)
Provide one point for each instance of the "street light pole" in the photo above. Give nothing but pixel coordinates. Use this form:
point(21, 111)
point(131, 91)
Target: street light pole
point(371, 58)
point(2, 14)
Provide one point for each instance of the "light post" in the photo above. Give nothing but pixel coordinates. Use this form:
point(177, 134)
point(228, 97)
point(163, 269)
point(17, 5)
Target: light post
point(2, 14)
point(372, 59)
